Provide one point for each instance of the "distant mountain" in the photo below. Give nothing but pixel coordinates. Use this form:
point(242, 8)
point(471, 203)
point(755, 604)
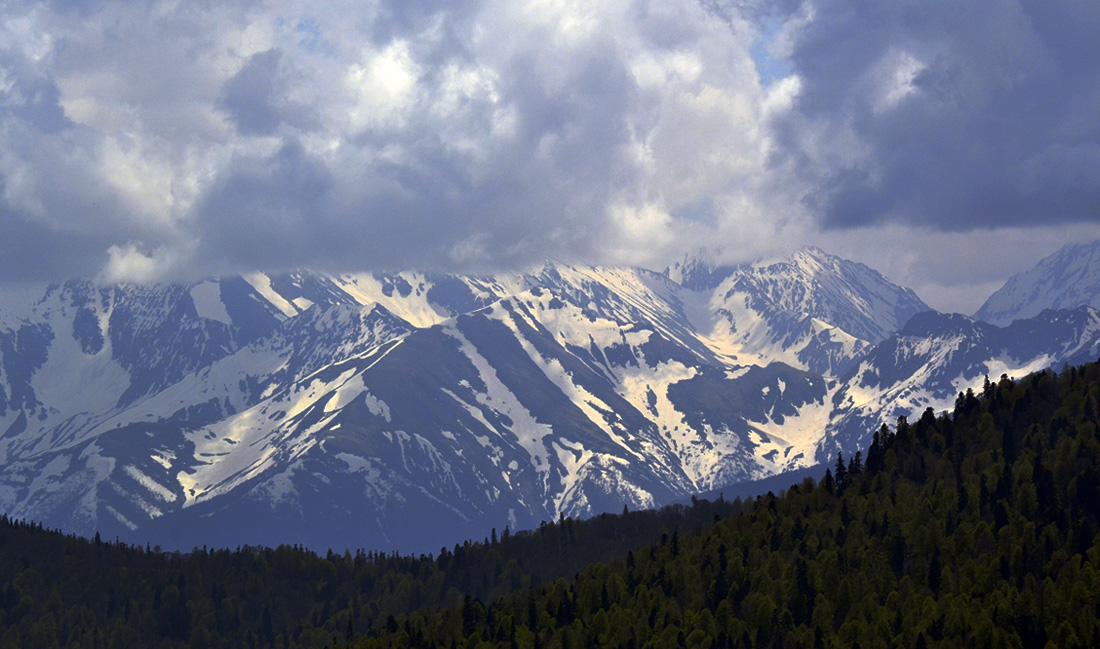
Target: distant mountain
point(812, 310)
point(935, 356)
point(846, 294)
point(409, 409)
point(1067, 279)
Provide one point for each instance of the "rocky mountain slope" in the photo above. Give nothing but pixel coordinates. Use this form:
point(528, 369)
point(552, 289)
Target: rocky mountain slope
point(412, 410)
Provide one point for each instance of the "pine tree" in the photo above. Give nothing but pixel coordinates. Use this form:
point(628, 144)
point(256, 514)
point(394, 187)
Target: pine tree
point(841, 473)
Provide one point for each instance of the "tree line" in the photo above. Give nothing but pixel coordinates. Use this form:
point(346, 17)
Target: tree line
point(970, 528)
point(66, 591)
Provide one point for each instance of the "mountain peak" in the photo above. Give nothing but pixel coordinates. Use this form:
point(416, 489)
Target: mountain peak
point(812, 252)
point(812, 261)
point(701, 270)
point(1066, 279)
point(698, 271)
point(848, 294)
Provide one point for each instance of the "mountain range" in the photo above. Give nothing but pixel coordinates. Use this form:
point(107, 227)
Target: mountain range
point(409, 410)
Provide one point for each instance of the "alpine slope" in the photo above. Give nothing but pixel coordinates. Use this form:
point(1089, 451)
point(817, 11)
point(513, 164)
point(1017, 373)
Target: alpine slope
point(412, 410)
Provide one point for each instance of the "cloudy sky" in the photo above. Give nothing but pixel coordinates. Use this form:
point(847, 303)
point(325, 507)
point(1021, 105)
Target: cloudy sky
point(946, 143)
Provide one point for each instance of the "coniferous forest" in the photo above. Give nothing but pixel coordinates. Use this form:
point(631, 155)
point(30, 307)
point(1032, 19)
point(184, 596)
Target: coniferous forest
point(971, 528)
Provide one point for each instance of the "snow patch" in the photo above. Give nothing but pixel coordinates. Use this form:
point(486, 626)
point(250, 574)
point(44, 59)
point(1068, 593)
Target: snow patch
point(525, 428)
point(355, 463)
point(414, 308)
point(152, 486)
point(207, 297)
point(120, 518)
point(163, 458)
point(47, 479)
point(262, 284)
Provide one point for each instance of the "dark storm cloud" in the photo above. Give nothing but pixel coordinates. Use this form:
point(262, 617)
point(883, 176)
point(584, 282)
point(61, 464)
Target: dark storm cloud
point(250, 211)
point(56, 218)
point(953, 115)
point(31, 251)
point(248, 95)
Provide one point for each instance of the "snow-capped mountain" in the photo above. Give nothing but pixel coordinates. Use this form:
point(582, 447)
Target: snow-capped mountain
point(410, 410)
point(1067, 279)
point(844, 293)
point(813, 310)
point(935, 356)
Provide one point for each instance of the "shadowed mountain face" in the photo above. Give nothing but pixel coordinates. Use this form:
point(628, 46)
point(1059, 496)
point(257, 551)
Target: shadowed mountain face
point(410, 410)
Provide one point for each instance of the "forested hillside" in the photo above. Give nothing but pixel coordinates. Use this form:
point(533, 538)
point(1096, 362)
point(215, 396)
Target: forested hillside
point(67, 590)
point(970, 528)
